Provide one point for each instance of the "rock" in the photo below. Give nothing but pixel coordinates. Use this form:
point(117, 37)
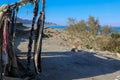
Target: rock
point(118, 55)
point(117, 78)
point(75, 50)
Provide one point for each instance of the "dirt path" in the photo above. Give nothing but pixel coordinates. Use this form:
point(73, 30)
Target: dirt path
point(59, 63)
point(80, 66)
point(65, 65)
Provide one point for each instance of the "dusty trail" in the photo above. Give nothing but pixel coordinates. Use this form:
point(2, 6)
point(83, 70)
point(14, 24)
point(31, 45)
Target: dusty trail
point(59, 63)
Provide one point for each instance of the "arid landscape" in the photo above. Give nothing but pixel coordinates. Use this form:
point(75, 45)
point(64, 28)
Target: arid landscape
point(60, 63)
point(59, 40)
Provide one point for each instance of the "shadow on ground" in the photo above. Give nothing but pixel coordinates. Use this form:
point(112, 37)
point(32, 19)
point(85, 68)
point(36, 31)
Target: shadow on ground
point(69, 66)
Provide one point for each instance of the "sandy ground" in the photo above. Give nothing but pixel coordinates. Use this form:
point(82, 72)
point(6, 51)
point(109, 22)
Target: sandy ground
point(59, 63)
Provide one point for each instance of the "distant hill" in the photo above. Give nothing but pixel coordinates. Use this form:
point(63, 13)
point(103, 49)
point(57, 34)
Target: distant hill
point(26, 21)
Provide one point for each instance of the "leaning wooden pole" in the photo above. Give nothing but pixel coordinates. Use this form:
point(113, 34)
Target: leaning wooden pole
point(42, 28)
point(38, 39)
point(35, 12)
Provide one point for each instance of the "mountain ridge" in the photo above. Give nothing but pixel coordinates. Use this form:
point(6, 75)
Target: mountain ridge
point(26, 21)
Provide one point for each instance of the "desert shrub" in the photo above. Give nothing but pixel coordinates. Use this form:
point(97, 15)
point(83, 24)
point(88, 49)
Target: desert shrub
point(90, 35)
point(106, 30)
point(115, 35)
point(113, 45)
point(93, 25)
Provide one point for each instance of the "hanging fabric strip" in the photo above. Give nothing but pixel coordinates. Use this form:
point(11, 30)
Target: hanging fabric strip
point(5, 41)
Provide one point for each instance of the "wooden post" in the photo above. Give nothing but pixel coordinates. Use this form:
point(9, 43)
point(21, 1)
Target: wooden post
point(38, 43)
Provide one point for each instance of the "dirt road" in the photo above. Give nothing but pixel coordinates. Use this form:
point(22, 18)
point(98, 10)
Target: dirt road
point(59, 63)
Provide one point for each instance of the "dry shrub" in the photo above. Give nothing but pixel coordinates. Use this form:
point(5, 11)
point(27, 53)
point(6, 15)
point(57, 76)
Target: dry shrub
point(91, 35)
point(113, 45)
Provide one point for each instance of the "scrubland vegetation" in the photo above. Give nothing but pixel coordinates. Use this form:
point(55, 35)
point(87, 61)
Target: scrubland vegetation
point(91, 35)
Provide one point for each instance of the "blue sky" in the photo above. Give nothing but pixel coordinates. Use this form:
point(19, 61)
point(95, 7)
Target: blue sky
point(58, 11)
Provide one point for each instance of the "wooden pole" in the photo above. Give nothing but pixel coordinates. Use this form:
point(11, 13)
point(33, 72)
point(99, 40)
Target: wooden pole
point(42, 28)
point(38, 43)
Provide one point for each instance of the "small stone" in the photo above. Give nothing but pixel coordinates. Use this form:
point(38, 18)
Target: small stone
point(75, 50)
